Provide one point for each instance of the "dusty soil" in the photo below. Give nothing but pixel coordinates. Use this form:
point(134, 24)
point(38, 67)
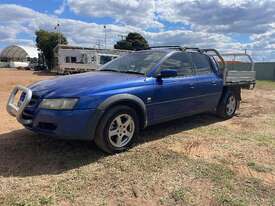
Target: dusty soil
point(198, 160)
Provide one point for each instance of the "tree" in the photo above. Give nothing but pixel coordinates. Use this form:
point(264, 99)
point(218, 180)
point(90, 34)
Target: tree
point(46, 41)
point(133, 41)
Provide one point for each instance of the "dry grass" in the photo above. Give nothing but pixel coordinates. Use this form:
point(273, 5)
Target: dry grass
point(199, 160)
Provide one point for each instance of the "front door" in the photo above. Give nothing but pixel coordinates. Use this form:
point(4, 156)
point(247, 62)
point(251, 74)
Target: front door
point(174, 97)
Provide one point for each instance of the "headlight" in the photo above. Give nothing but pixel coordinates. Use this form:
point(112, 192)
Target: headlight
point(58, 104)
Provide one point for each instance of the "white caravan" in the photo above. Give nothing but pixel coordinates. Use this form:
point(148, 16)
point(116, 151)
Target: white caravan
point(74, 59)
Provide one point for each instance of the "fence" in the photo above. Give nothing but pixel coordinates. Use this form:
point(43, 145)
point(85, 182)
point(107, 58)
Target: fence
point(265, 70)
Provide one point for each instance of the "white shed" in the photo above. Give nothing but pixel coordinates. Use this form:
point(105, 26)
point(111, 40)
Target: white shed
point(19, 56)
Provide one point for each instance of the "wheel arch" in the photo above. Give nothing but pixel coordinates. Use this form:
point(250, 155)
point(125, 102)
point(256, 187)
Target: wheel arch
point(236, 89)
point(126, 99)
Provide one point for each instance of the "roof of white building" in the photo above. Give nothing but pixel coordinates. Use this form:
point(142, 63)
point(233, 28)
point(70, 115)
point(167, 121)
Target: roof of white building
point(19, 52)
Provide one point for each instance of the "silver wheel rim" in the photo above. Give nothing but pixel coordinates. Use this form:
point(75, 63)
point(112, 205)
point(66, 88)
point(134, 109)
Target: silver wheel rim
point(121, 130)
point(231, 105)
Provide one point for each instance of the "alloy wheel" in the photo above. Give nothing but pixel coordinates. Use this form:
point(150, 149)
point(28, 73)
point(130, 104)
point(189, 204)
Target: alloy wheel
point(121, 130)
point(231, 105)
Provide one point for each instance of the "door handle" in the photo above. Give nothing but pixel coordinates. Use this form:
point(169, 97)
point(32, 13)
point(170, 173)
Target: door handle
point(214, 82)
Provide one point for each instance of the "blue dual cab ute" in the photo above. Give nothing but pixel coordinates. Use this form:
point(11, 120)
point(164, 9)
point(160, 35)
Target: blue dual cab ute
point(143, 88)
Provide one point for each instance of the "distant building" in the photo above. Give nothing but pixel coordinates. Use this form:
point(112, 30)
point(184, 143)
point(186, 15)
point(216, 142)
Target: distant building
point(19, 56)
point(73, 59)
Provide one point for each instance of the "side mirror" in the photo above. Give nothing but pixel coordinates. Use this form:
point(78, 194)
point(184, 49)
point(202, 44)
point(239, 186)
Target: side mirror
point(166, 73)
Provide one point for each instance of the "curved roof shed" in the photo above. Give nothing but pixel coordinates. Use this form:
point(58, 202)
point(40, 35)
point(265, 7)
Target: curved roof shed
point(19, 53)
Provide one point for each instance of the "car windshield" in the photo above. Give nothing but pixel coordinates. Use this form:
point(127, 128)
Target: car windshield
point(136, 62)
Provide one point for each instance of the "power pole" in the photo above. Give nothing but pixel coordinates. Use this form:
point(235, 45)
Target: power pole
point(57, 28)
point(105, 39)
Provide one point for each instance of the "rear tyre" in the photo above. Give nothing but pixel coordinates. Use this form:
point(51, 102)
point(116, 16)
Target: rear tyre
point(117, 129)
point(228, 105)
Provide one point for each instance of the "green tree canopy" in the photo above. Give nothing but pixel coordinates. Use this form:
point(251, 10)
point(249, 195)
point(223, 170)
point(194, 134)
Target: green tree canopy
point(46, 41)
point(133, 41)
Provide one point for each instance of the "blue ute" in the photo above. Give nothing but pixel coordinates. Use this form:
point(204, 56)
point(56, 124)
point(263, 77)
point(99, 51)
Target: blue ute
point(143, 88)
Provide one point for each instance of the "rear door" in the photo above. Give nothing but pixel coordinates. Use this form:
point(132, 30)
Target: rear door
point(174, 97)
point(208, 83)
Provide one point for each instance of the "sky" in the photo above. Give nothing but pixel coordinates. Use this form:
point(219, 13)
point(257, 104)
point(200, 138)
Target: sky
point(227, 25)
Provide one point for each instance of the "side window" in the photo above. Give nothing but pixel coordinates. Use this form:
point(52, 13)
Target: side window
point(93, 59)
point(202, 63)
point(105, 59)
point(68, 60)
point(73, 59)
point(179, 62)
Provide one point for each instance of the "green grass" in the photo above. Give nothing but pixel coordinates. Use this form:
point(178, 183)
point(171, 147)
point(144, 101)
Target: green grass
point(263, 84)
point(259, 167)
point(179, 195)
point(260, 138)
point(46, 200)
point(264, 139)
point(227, 199)
point(245, 191)
point(224, 161)
point(218, 173)
point(213, 131)
point(31, 201)
point(255, 188)
point(230, 189)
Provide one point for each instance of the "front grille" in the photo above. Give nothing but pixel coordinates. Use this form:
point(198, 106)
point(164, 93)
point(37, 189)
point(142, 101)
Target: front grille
point(22, 97)
point(29, 111)
point(34, 101)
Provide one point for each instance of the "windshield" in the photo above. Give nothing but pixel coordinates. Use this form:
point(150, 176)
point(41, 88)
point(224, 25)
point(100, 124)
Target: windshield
point(136, 62)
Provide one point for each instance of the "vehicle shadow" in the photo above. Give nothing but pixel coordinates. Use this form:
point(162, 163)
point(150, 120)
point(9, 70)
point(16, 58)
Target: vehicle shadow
point(23, 153)
point(175, 126)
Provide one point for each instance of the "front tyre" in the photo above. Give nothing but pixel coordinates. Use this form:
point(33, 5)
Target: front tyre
point(117, 129)
point(228, 106)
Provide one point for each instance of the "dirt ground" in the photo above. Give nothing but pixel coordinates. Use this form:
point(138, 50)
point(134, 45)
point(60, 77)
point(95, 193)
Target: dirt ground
point(198, 160)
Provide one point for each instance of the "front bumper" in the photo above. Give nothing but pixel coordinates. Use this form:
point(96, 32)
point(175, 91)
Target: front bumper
point(64, 124)
point(75, 124)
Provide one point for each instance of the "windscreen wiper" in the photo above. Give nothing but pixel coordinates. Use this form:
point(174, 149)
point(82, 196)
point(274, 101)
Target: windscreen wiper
point(108, 70)
point(132, 72)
